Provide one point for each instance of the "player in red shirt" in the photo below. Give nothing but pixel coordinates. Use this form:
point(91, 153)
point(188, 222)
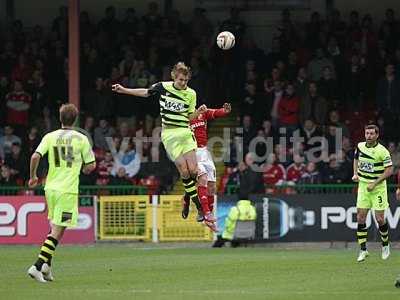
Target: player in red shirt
point(206, 179)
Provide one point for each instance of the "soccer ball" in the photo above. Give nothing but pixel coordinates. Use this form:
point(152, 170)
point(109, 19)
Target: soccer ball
point(225, 40)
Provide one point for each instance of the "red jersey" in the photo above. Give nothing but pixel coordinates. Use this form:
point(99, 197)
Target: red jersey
point(18, 108)
point(199, 125)
point(294, 172)
point(274, 173)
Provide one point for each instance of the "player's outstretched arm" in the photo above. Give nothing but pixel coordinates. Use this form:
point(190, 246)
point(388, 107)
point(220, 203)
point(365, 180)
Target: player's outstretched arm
point(133, 92)
point(33, 180)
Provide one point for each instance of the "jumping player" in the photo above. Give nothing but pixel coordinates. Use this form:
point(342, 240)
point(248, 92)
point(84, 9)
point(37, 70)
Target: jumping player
point(206, 182)
point(177, 109)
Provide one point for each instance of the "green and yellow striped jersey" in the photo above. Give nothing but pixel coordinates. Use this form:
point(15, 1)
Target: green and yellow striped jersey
point(372, 161)
point(175, 105)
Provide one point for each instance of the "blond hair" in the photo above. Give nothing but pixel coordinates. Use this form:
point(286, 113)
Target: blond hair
point(180, 68)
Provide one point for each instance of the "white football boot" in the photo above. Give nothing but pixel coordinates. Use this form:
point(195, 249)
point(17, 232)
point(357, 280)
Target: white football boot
point(362, 255)
point(385, 252)
point(46, 271)
point(36, 274)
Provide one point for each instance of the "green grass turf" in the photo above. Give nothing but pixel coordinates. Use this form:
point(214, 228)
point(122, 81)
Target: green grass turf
point(120, 271)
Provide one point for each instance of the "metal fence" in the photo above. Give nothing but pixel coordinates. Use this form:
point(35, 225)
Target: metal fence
point(98, 190)
point(95, 190)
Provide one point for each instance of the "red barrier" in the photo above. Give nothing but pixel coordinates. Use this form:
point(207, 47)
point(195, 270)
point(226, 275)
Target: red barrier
point(23, 220)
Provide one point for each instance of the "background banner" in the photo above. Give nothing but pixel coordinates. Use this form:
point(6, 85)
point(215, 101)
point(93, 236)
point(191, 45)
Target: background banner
point(308, 218)
point(23, 220)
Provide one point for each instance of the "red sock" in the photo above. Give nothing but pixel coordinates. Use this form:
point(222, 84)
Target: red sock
point(210, 199)
point(202, 192)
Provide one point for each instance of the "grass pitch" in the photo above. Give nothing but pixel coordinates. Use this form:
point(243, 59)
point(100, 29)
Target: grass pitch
point(120, 271)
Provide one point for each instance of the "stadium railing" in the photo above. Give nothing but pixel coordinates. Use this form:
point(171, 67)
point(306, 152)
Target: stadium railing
point(309, 189)
point(94, 190)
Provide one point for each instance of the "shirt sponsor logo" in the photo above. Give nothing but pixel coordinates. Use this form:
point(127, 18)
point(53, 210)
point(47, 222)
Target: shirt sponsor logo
point(366, 166)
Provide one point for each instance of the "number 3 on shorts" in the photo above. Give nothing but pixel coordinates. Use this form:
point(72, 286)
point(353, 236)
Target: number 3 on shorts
point(380, 199)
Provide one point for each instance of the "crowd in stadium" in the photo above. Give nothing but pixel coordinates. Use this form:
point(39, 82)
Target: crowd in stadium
point(319, 77)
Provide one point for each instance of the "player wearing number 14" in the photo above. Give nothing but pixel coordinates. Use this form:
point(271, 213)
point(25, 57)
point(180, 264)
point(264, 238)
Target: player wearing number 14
point(372, 166)
point(67, 149)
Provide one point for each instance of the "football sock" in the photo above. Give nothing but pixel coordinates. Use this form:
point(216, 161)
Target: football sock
point(210, 202)
point(362, 235)
point(190, 189)
point(384, 231)
point(202, 192)
point(46, 252)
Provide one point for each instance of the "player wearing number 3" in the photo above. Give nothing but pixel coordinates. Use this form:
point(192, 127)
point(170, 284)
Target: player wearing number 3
point(372, 166)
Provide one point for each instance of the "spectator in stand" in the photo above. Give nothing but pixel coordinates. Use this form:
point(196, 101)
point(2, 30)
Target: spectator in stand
point(301, 83)
point(46, 122)
point(334, 172)
point(130, 23)
point(250, 179)
point(292, 68)
point(31, 141)
point(332, 136)
point(248, 133)
point(275, 54)
point(311, 133)
point(288, 110)
point(348, 149)
point(124, 131)
point(311, 175)
point(354, 80)
point(295, 171)
point(317, 64)
point(6, 178)
point(234, 24)
point(328, 87)
point(101, 132)
point(40, 94)
point(313, 29)
point(3, 92)
point(275, 98)
point(98, 100)
point(89, 126)
point(109, 24)
point(387, 100)
point(22, 70)
point(251, 104)
point(129, 160)
point(313, 106)
point(17, 162)
point(273, 173)
point(153, 18)
point(105, 167)
point(18, 103)
point(7, 141)
point(200, 25)
point(120, 178)
point(395, 156)
point(334, 120)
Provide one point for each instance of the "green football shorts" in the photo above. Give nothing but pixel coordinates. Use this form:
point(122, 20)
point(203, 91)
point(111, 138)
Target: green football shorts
point(178, 141)
point(62, 208)
point(376, 200)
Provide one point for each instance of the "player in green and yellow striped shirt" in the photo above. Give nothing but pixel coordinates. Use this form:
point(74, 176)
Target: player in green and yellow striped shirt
point(177, 108)
point(67, 150)
point(372, 166)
